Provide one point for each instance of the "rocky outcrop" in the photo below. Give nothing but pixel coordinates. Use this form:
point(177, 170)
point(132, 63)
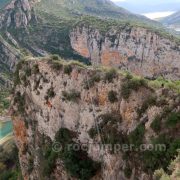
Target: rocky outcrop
point(135, 49)
point(17, 14)
point(56, 96)
point(9, 56)
point(14, 19)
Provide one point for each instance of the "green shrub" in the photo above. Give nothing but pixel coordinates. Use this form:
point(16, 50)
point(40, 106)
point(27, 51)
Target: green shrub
point(50, 163)
point(78, 63)
point(16, 76)
point(82, 168)
point(67, 69)
point(150, 101)
point(131, 84)
point(136, 137)
point(173, 119)
point(110, 75)
point(112, 96)
point(8, 174)
point(64, 136)
point(56, 66)
point(156, 124)
point(128, 76)
point(55, 57)
point(2, 167)
point(160, 158)
point(51, 93)
point(92, 133)
point(49, 156)
point(19, 100)
point(135, 84)
point(30, 165)
point(92, 80)
point(35, 69)
point(27, 71)
point(77, 163)
point(9, 162)
point(24, 80)
point(161, 82)
point(125, 91)
point(108, 129)
point(128, 172)
point(73, 95)
point(4, 101)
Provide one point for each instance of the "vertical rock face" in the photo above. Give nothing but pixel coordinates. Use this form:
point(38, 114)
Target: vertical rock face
point(14, 17)
point(130, 48)
point(50, 96)
point(18, 13)
point(9, 56)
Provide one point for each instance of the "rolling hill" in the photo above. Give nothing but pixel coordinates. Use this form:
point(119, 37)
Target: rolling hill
point(98, 8)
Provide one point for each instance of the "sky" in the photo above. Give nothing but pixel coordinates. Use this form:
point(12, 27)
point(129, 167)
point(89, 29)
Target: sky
point(150, 8)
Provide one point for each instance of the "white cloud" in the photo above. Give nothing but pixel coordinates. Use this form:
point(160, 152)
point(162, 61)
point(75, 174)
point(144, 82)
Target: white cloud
point(156, 15)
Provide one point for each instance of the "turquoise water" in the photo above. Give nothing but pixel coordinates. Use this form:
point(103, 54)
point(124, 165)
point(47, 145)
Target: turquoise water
point(5, 128)
point(3, 3)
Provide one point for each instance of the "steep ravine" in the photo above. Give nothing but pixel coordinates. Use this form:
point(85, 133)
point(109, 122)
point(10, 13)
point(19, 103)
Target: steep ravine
point(128, 47)
point(17, 14)
point(9, 56)
point(14, 17)
point(135, 49)
point(56, 101)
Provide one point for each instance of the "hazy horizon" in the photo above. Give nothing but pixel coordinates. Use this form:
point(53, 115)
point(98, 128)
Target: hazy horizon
point(152, 9)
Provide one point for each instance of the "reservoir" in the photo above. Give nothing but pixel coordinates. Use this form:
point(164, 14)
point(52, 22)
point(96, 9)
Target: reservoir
point(5, 128)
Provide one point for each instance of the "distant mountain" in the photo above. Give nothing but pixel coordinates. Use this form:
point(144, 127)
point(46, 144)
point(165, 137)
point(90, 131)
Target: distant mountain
point(173, 19)
point(57, 103)
point(145, 6)
point(172, 22)
point(100, 8)
point(41, 27)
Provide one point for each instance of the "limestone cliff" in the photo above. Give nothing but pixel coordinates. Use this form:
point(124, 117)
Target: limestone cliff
point(9, 56)
point(135, 49)
point(128, 47)
point(59, 102)
point(17, 14)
